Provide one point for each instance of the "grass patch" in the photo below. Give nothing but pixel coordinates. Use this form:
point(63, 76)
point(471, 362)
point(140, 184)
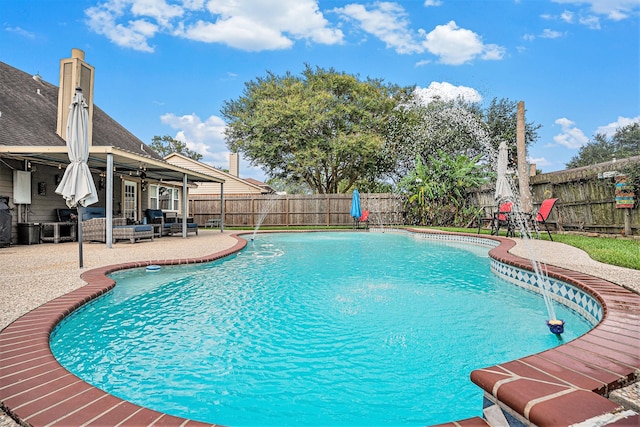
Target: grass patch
point(609, 250)
point(620, 252)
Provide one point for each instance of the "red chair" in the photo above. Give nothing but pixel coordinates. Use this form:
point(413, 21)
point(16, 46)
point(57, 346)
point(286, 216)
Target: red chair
point(503, 218)
point(364, 219)
point(543, 213)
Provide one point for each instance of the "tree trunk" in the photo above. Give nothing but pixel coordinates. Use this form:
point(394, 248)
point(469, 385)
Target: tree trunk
point(523, 170)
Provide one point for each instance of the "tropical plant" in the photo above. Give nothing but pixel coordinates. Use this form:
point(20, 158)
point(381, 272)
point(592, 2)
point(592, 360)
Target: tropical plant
point(436, 190)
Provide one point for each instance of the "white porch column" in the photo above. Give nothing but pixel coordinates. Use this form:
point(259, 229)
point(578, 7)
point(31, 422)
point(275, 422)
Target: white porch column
point(184, 206)
point(221, 207)
point(109, 201)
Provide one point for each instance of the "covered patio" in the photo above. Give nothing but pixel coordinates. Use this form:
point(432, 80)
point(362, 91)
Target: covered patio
point(107, 163)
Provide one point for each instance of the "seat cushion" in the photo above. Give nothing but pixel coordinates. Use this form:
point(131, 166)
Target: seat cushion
point(91, 212)
point(154, 214)
point(141, 227)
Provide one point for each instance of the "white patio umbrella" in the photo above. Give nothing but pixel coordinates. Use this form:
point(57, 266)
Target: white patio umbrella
point(503, 188)
point(77, 186)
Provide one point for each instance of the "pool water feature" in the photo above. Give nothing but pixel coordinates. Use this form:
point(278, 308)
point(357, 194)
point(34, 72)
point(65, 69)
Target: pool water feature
point(310, 329)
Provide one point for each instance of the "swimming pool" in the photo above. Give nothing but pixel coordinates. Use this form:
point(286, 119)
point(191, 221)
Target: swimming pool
point(250, 352)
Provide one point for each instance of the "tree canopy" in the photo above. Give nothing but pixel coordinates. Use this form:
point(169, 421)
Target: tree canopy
point(456, 127)
point(325, 128)
point(166, 145)
point(624, 143)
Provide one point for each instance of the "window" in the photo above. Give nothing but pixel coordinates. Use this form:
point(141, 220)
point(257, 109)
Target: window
point(165, 198)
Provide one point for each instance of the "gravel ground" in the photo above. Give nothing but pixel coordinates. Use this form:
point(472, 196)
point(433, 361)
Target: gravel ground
point(33, 275)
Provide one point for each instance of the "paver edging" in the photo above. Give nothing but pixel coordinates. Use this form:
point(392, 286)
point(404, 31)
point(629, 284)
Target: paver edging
point(537, 413)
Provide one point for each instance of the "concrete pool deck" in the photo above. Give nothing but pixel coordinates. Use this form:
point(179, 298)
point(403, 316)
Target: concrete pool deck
point(44, 281)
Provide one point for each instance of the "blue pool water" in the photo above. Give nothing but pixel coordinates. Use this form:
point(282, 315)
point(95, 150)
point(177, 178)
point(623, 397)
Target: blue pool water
point(310, 329)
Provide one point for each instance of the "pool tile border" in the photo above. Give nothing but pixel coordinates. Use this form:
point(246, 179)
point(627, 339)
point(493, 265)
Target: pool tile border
point(561, 386)
point(568, 384)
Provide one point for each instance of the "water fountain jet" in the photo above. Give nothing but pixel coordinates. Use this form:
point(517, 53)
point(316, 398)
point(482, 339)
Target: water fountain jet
point(271, 202)
point(463, 118)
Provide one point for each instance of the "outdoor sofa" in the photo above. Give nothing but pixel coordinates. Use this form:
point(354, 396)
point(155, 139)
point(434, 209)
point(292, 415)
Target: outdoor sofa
point(170, 223)
point(94, 227)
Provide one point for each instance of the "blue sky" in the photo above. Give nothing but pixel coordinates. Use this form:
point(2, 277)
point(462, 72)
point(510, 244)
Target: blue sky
point(165, 67)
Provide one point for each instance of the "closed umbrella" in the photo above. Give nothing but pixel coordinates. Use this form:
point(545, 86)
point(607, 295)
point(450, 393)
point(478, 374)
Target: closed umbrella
point(356, 211)
point(77, 186)
point(503, 187)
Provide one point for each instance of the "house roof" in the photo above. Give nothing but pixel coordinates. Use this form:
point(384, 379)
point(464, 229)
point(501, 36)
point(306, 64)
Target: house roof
point(259, 186)
point(28, 114)
point(259, 183)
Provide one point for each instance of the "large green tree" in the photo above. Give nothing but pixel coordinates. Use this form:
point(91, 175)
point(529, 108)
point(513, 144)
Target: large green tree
point(624, 143)
point(325, 128)
point(501, 117)
point(165, 145)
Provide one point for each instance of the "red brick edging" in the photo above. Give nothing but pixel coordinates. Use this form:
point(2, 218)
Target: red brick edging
point(561, 386)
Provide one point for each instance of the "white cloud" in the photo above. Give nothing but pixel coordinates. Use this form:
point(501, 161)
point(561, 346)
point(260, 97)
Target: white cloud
point(611, 128)
point(567, 16)
point(570, 136)
point(616, 10)
point(540, 162)
point(456, 46)
point(238, 32)
point(428, 3)
point(20, 31)
point(158, 10)
point(133, 34)
point(447, 92)
point(243, 24)
point(587, 19)
point(206, 138)
point(591, 22)
point(387, 21)
point(550, 34)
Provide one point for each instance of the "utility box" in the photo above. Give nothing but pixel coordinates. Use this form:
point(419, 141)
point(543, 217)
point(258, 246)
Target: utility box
point(28, 233)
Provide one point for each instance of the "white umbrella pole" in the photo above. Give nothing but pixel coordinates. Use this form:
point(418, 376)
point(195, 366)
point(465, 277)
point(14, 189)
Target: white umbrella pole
point(80, 213)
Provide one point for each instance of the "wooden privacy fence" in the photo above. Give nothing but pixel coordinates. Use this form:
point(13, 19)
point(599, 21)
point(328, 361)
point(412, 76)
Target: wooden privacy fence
point(296, 209)
point(587, 202)
point(586, 198)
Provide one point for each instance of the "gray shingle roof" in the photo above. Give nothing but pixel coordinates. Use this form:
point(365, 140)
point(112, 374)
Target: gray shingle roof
point(28, 114)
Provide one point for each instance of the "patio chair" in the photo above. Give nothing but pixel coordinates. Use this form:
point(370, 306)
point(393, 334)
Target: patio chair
point(67, 215)
point(484, 219)
point(543, 214)
point(364, 219)
point(155, 217)
point(173, 224)
point(213, 223)
point(503, 218)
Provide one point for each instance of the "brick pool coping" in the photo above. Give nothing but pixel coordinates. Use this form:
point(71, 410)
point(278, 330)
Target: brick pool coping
point(560, 386)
